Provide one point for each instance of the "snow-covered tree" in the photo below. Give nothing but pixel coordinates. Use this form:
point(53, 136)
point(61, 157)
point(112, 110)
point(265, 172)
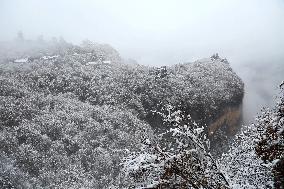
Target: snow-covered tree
point(256, 156)
point(241, 165)
point(182, 161)
point(270, 144)
point(20, 36)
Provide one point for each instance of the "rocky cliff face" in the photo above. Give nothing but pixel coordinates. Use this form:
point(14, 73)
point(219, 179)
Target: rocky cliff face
point(229, 120)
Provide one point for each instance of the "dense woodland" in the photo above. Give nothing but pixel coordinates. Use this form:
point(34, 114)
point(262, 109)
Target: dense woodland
point(82, 117)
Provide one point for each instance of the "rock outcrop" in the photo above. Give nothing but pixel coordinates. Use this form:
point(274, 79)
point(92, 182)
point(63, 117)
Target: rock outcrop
point(229, 119)
point(206, 89)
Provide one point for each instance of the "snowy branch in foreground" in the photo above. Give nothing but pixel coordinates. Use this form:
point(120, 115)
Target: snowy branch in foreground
point(187, 164)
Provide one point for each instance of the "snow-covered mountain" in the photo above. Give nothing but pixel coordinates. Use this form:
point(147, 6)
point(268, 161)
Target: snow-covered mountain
point(70, 117)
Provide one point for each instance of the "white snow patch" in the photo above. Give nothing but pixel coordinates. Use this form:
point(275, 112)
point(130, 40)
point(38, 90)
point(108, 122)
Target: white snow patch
point(22, 60)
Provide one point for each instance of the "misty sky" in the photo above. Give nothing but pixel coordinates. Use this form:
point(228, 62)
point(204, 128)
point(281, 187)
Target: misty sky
point(249, 33)
point(154, 31)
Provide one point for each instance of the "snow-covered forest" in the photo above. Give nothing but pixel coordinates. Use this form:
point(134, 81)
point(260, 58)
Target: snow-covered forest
point(141, 94)
point(82, 117)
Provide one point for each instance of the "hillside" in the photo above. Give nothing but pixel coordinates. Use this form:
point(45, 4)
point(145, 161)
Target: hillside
point(69, 117)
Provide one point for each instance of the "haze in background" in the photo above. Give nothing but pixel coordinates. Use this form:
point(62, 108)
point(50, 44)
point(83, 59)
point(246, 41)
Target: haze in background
point(249, 33)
